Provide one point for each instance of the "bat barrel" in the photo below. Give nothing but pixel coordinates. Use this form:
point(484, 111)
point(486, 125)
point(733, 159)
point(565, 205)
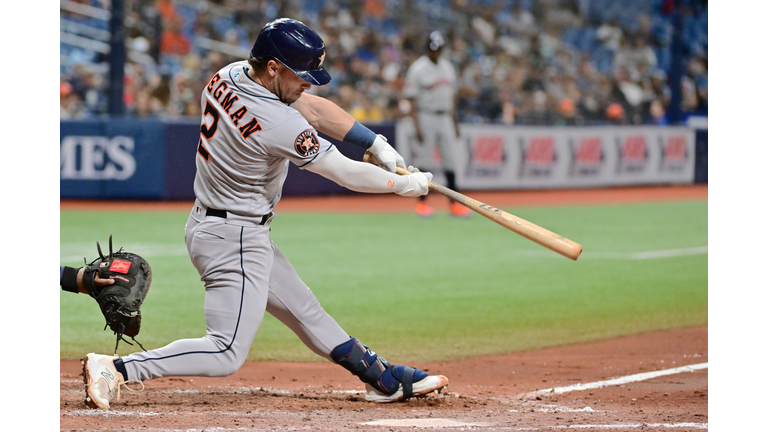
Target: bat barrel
point(535, 233)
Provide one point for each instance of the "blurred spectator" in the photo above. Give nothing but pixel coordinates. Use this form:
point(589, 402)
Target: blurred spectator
point(70, 105)
point(636, 56)
point(521, 21)
point(610, 34)
point(658, 115)
point(203, 26)
point(167, 9)
point(366, 110)
point(173, 41)
point(615, 113)
point(566, 109)
point(517, 61)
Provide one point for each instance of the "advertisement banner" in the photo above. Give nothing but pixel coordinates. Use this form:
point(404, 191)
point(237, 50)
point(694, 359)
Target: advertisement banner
point(154, 159)
point(114, 159)
point(504, 157)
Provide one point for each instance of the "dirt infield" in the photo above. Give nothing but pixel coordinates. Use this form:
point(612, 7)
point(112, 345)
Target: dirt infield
point(381, 203)
point(511, 392)
point(486, 394)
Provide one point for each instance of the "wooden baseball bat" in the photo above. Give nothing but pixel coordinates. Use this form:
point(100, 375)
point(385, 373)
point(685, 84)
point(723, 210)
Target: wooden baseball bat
point(533, 232)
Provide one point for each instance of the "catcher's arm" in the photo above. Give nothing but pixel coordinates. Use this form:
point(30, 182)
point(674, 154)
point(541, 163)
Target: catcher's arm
point(98, 281)
point(71, 279)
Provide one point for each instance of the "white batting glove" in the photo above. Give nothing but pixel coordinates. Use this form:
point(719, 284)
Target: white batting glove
point(418, 184)
point(386, 154)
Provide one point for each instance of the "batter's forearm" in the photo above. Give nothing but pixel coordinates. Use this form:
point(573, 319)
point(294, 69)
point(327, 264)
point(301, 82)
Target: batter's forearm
point(357, 176)
point(324, 115)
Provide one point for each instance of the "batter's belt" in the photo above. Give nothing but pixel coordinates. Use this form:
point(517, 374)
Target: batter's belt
point(199, 211)
point(223, 214)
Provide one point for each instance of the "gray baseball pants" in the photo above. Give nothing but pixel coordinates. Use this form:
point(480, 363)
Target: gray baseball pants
point(436, 130)
point(245, 274)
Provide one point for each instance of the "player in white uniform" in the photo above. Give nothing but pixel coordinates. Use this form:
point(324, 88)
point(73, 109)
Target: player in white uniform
point(252, 129)
point(430, 87)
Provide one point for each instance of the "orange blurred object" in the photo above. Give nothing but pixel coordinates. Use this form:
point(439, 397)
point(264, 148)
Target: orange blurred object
point(424, 210)
point(614, 111)
point(459, 210)
point(566, 106)
point(65, 88)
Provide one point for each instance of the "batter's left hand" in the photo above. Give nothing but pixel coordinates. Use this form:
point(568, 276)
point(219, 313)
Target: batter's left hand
point(386, 154)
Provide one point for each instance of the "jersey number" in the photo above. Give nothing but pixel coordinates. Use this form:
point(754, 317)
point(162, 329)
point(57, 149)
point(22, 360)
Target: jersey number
point(208, 131)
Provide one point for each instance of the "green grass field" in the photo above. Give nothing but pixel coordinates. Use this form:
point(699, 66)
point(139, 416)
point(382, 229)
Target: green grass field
point(424, 290)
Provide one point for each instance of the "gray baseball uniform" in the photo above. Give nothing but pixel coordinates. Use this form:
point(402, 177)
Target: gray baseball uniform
point(248, 136)
point(433, 87)
point(247, 140)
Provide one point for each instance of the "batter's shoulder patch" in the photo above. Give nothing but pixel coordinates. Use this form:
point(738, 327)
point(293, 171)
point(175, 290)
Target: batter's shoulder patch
point(307, 143)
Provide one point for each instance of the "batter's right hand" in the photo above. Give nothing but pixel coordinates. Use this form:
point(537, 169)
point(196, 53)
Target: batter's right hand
point(389, 158)
point(418, 184)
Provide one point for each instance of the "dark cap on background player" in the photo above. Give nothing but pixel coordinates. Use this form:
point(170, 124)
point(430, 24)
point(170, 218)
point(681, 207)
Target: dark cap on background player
point(436, 41)
point(296, 46)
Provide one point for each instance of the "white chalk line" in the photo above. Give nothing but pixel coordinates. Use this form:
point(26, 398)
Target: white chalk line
point(618, 381)
point(621, 426)
point(75, 252)
point(701, 250)
point(424, 423)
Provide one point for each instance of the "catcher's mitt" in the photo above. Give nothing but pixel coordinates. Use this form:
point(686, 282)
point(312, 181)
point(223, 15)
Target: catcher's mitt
point(120, 301)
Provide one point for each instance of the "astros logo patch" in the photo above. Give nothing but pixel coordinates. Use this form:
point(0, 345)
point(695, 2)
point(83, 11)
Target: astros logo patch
point(307, 143)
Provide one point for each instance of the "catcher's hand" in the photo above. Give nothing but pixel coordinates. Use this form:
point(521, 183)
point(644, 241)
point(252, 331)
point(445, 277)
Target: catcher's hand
point(121, 300)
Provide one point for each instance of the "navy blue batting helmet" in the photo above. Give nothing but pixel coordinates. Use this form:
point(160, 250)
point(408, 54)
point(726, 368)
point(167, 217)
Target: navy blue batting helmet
point(296, 46)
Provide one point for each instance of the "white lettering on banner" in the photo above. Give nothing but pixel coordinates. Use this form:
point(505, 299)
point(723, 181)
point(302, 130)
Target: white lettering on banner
point(97, 158)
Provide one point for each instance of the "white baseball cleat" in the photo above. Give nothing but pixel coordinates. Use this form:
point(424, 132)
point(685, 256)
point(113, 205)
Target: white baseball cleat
point(102, 380)
point(421, 388)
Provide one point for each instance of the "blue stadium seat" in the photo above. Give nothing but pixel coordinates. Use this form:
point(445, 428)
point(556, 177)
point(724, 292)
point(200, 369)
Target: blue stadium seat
point(588, 40)
point(663, 58)
point(222, 25)
point(572, 36)
point(602, 59)
point(189, 15)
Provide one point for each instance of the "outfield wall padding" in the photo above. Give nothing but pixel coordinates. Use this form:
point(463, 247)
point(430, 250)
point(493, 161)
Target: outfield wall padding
point(129, 158)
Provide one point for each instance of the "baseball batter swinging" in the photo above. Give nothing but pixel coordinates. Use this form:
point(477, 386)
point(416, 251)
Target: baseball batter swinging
point(255, 121)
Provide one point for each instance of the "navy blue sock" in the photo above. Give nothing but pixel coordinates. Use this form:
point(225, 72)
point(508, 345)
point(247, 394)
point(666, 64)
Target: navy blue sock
point(390, 378)
point(121, 368)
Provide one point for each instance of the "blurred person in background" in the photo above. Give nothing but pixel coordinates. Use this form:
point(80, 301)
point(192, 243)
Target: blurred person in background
point(610, 34)
point(371, 44)
point(69, 103)
point(615, 113)
point(173, 42)
point(430, 87)
point(657, 114)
